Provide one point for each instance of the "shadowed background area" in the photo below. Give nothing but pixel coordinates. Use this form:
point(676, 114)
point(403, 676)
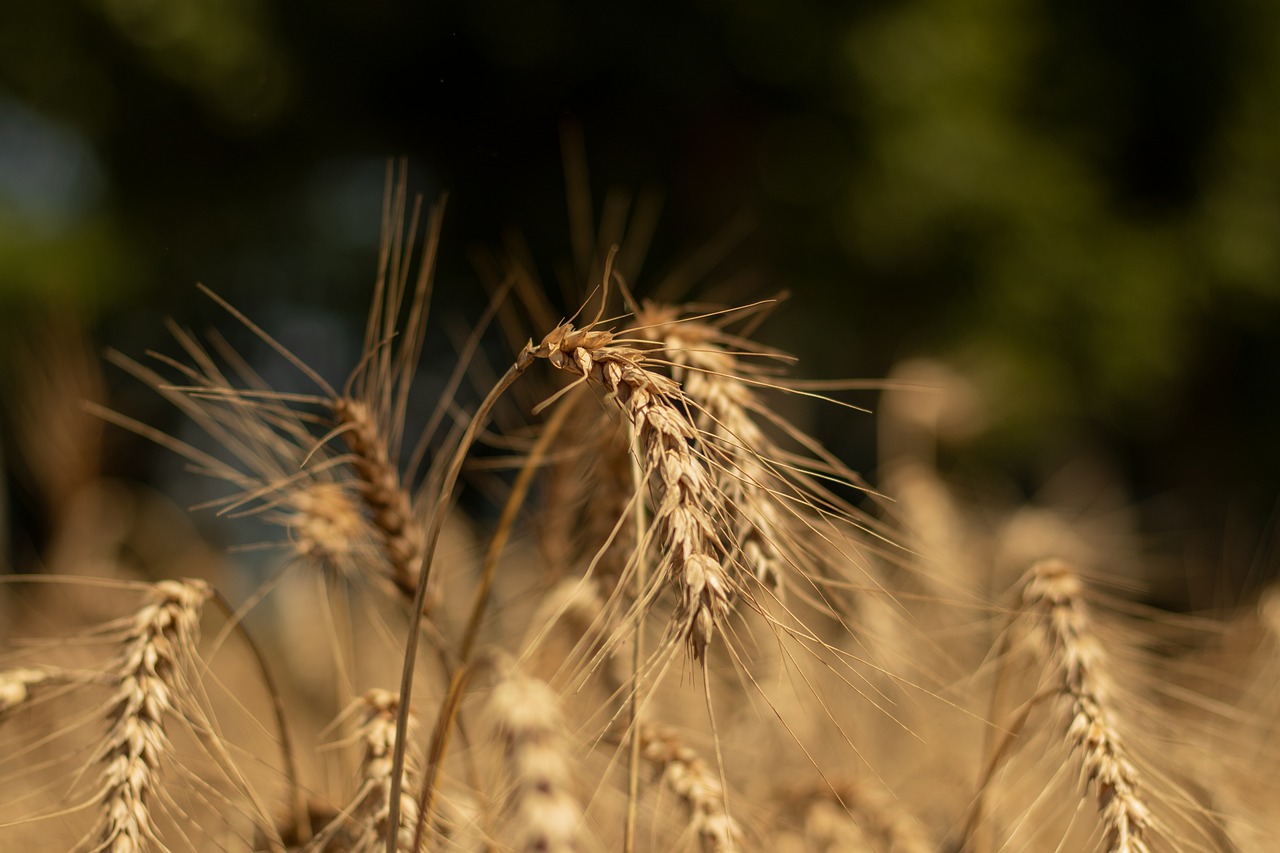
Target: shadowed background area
point(1075, 205)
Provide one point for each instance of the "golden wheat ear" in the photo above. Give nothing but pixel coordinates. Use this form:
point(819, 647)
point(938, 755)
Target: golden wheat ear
point(361, 826)
point(697, 785)
point(544, 814)
point(856, 815)
point(1054, 597)
point(155, 655)
point(686, 502)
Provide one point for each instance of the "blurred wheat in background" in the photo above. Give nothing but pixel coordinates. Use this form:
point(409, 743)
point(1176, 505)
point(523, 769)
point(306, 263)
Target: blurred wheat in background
point(682, 623)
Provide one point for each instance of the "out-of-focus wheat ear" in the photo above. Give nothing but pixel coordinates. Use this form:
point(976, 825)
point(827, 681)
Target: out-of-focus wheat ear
point(362, 825)
point(388, 502)
point(545, 816)
point(59, 443)
point(686, 501)
point(696, 784)
point(1054, 595)
point(150, 671)
point(881, 820)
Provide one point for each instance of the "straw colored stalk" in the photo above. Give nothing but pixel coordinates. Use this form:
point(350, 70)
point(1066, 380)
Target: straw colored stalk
point(545, 817)
point(686, 500)
point(1054, 593)
point(696, 784)
point(158, 645)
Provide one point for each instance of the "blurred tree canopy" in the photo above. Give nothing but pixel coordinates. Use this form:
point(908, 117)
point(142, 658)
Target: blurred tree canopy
point(1078, 203)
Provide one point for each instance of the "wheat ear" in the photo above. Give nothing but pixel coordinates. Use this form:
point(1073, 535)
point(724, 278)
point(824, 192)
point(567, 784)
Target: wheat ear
point(696, 784)
point(387, 501)
point(365, 818)
point(713, 378)
point(850, 809)
point(686, 501)
point(1054, 593)
point(527, 718)
point(159, 644)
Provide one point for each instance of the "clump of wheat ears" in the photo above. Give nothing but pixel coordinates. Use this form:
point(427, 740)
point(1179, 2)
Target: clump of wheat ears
point(688, 626)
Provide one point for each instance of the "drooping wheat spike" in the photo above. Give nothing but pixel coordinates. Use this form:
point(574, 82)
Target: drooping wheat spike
point(686, 503)
point(714, 379)
point(696, 784)
point(1054, 593)
point(362, 825)
point(158, 646)
point(545, 816)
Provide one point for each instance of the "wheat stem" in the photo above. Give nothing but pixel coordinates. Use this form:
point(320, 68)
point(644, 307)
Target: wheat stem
point(448, 483)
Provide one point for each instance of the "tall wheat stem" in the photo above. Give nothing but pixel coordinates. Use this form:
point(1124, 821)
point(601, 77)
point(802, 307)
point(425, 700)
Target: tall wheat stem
point(420, 595)
point(449, 708)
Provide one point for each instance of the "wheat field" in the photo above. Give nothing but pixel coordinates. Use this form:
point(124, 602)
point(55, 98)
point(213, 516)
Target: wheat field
point(683, 625)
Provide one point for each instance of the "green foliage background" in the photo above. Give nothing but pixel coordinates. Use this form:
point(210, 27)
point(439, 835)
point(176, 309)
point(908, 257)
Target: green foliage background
point(1076, 202)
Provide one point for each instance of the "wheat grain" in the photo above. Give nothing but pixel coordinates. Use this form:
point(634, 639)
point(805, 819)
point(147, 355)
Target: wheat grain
point(16, 684)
